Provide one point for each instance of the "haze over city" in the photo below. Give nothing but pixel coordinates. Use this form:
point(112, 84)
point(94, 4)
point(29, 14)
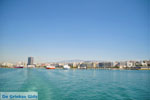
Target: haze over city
point(80, 29)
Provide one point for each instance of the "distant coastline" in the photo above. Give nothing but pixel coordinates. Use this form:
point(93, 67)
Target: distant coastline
point(133, 68)
point(121, 65)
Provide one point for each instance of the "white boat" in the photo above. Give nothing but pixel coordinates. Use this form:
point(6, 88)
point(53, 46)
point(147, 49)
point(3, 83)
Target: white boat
point(66, 67)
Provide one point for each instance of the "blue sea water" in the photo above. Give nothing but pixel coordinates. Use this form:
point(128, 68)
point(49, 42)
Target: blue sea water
point(88, 84)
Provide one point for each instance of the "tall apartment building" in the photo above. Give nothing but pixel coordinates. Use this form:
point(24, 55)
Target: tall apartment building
point(30, 60)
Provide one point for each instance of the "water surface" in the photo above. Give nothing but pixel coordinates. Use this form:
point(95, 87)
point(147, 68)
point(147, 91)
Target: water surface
point(78, 84)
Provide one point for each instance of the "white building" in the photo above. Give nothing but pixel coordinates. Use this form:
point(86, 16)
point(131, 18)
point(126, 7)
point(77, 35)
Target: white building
point(31, 66)
point(130, 64)
point(144, 63)
point(7, 64)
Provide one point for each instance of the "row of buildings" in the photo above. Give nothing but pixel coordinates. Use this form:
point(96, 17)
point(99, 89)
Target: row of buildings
point(117, 64)
point(144, 64)
point(30, 63)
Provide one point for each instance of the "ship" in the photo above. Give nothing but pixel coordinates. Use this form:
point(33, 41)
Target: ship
point(50, 67)
point(19, 67)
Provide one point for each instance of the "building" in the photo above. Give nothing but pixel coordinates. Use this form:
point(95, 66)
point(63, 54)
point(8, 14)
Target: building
point(144, 63)
point(130, 63)
point(116, 64)
point(6, 64)
point(75, 65)
point(82, 66)
point(122, 64)
point(31, 66)
point(88, 64)
point(30, 60)
point(24, 64)
point(95, 64)
point(138, 64)
point(105, 64)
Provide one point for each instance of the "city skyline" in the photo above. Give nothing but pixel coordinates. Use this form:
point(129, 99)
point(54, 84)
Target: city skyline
point(66, 30)
point(80, 64)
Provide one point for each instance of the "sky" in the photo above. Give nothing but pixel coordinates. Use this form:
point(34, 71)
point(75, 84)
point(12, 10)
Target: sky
point(55, 30)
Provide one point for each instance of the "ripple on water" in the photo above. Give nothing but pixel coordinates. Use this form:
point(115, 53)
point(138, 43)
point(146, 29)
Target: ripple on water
point(79, 84)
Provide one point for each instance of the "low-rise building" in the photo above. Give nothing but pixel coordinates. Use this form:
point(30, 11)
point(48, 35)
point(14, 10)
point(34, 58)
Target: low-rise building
point(30, 66)
point(105, 64)
point(122, 64)
point(130, 64)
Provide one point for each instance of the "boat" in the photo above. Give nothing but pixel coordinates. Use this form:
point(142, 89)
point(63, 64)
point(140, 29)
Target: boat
point(18, 67)
point(66, 67)
point(50, 67)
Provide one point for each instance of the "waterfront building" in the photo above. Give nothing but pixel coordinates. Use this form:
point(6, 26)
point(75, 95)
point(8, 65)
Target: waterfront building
point(70, 64)
point(88, 64)
point(116, 64)
point(138, 64)
point(7, 64)
point(101, 65)
point(105, 64)
point(21, 64)
point(30, 60)
point(123, 64)
point(148, 63)
point(75, 64)
point(82, 66)
point(130, 63)
point(31, 66)
point(95, 64)
point(144, 63)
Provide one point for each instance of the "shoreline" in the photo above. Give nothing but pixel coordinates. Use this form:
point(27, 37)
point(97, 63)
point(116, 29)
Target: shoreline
point(78, 68)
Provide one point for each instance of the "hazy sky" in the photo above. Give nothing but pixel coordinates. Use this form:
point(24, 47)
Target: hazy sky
point(52, 30)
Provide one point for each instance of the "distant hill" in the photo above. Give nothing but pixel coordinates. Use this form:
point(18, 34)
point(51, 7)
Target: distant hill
point(70, 61)
point(76, 60)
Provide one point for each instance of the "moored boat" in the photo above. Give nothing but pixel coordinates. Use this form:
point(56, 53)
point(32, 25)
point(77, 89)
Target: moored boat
point(50, 67)
point(66, 67)
point(18, 67)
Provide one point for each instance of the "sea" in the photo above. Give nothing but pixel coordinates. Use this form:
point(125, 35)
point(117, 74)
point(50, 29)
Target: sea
point(77, 84)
